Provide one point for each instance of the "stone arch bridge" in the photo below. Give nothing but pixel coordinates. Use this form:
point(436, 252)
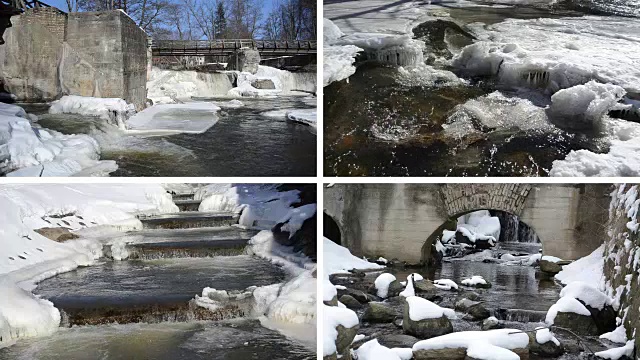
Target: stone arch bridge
point(402, 220)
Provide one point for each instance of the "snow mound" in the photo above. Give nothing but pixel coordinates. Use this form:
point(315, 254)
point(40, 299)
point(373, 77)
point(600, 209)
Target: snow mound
point(420, 309)
point(583, 106)
point(566, 305)
point(544, 335)
point(338, 259)
point(484, 351)
point(474, 280)
point(505, 338)
point(445, 284)
point(372, 350)
point(587, 269)
point(382, 284)
point(617, 353)
point(169, 86)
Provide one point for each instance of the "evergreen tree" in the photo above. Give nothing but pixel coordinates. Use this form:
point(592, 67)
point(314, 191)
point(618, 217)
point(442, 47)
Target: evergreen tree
point(220, 21)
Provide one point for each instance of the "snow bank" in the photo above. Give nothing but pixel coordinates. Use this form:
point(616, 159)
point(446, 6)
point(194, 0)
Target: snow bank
point(261, 206)
point(334, 316)
point(27, 150)
point(505, 338)
point(112, 109)
point(382, 284)
point(420, 309)
point(338, 260)
point(31, 257)
point(587, 269)
point(554, 54)
point(337, 59)
point(617, 353)
point(587, 294)
point(583, 106)
point(169, 86)
point(372, 350)
point(190, 118)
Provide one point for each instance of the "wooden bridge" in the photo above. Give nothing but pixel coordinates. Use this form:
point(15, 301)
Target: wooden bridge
point(24, 4)
point(228, 47)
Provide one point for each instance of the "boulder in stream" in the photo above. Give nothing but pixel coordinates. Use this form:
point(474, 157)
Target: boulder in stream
point(350, 302)
point(378, 312)
point(426, 319)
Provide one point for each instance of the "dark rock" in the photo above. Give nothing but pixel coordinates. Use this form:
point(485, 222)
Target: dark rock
point(265, 84)
point(395, 288)
point(397, 341)
point(58, 234)
point(580, 324)
point(548, 349)
point(360, 296)
point(350, 302)
point(478, 312)
point(332, 302)
point(550, 267)
point(304, 240)
point(426, 328)
point(345, 338)
point(604, 319)
point(377, 312)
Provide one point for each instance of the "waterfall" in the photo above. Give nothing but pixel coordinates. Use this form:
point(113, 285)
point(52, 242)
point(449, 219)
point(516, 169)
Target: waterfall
point(514, 230)
point(397, 55)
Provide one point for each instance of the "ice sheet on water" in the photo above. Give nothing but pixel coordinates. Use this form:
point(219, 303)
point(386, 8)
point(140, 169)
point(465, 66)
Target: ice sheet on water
point(193, 118)
point(554, 54)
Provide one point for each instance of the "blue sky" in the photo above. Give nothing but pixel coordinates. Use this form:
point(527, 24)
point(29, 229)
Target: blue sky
point(267, 5)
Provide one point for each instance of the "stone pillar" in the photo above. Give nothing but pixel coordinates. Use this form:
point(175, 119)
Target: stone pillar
point(245, 60)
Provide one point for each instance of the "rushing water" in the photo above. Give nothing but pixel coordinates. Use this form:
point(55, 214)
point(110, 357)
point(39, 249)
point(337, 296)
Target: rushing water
point(241, 143)
point(381, 123)
point(240, 339)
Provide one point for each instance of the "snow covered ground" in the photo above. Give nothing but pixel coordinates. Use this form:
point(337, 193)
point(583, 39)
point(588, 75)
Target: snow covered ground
point(32, 257)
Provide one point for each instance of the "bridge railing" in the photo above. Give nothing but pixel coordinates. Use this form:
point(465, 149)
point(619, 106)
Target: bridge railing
point(211, 46)
point(25, 4)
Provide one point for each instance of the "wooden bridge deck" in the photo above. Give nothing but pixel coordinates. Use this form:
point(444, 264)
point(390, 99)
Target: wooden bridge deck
point(228, 47)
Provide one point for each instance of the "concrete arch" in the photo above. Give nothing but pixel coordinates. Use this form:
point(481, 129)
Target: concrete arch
point(395, 220)
point(331, 229)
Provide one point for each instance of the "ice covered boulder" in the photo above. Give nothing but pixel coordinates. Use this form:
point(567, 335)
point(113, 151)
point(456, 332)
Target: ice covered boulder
point(378, 312)
point(544, 344)
point(584, 106)
point(424, 319)
point(596, 302)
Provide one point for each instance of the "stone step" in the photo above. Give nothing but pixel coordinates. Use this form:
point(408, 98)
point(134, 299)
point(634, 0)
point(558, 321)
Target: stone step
point(153, 291)
point(178, 197)
point(188, 205)
point(184, 311)
point(188, 220)
point(182, 249)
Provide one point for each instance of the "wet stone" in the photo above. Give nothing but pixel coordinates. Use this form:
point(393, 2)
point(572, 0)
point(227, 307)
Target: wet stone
point(350, 302)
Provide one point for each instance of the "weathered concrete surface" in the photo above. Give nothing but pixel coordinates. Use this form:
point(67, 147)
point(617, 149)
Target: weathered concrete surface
point(622, 265)
point(49, 54)
point(246, 60)
point(395, 220)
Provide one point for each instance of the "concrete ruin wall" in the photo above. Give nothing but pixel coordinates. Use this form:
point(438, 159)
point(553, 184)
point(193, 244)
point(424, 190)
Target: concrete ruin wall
point(396, 220)
point(622, 264)
point(49, 54)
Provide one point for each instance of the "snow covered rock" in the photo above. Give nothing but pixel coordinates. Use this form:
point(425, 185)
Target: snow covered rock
point(491, 323)
point(445, 284)
point(454, 346)
point(340, 328)
point(570, 313)
point(382, 283)
point(625, 351)
point(476, 281)
point(549, 266)
point(112, 109)
point(544, 344)
point(424, 319)
point(378, 312)
point(372, 350)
